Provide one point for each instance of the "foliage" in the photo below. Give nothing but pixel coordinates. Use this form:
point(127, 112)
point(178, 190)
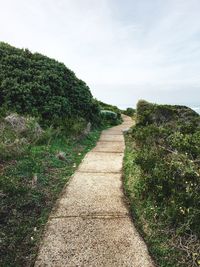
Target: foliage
point(108, 107)
point(166, 144)
point(16, 134)
point(129, 112)
point(25, 202)
point(109, 117)
point(33, 84)
point(148, 113)
point(36, 162)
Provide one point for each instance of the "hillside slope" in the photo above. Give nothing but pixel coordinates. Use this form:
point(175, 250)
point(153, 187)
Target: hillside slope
point(42, 87)
point(162, 178)
point(48, 121)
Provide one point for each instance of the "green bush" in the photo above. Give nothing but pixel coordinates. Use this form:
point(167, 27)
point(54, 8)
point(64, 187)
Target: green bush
point(174, 115)
point(129, 112)
point(169, 161)
point(17, 133)
point(109, 117)
point(33, 84)
point(108, 107)
point(167, 143)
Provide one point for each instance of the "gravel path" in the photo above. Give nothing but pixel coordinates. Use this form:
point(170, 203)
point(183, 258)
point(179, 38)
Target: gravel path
point(90, 224)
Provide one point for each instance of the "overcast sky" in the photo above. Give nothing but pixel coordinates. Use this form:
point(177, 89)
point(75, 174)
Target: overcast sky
point(124, 50)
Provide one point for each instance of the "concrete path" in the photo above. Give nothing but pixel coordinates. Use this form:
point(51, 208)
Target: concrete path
point(90, 224)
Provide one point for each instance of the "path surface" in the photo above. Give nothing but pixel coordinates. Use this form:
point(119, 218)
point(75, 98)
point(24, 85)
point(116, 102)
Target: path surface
point(91, 225)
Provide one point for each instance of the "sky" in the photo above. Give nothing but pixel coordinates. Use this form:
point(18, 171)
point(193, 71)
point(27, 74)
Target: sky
point(125, 50)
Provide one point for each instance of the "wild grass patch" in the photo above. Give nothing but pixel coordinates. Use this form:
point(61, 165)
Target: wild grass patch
point(162, 179)
point(29, 187)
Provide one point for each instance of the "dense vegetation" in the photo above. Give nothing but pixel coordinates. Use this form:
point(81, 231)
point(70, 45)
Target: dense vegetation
point(129, 112)
point(110, 114)
point(162, 177)
point(30, 183)
point(48, 121)
point(33, 84)
point(110, 107)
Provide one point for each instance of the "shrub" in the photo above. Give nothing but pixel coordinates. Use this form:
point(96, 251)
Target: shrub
point(182, 116)
point(109, 117)
point(167, 141)
point(33, 84)
point(129, 112)
point(12, 143)
point(108, 107)
point(166, 157)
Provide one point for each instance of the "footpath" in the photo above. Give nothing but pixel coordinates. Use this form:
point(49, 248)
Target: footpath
point(90, 224)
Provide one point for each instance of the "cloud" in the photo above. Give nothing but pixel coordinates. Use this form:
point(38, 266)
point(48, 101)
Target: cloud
point(123, 49)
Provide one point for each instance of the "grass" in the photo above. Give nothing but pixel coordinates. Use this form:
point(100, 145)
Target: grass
point(162, 178)
point(25, 202)
point(155, 232)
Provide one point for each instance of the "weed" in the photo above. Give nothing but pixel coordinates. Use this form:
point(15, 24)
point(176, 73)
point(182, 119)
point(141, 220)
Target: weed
point(24, 205)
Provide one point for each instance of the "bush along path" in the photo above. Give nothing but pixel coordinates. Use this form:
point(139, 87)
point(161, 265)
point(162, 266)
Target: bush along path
point(30, 183)
point(90, 224)
point(162, 180)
